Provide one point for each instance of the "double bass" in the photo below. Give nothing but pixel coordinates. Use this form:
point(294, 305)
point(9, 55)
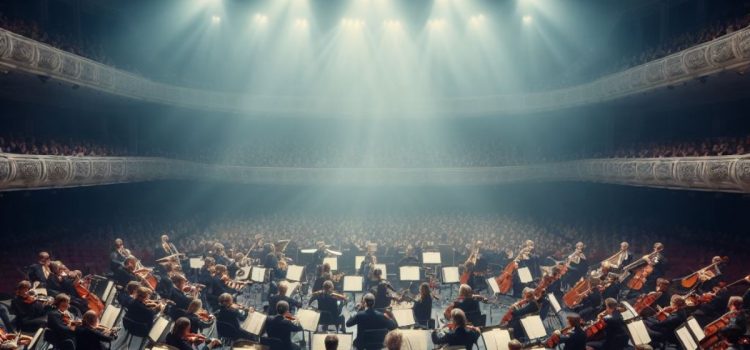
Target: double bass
point(505, 279)
point(470, 261)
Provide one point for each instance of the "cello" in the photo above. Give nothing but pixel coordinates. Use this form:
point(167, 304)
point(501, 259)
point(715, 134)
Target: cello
point(94, 303)
point(577, 293)
point(643, 271)
point(471, 261)
point(692, 279)
point(505, 279)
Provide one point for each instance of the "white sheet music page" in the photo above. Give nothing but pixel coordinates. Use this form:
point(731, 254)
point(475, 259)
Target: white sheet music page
point(415, 339)
point(353, 283)
point(493, 285)
point(244, 273)
point(696, 329)
point(110, 316)
point(686, 338)
point(294, 272)
point(638, 333)
point(358, 262)
point(403, 317)
point(292, 287)
point(196, 263)
point(553, 301)
point(383, 268)
point(629, 313)
point(345, 341)
point(258, 274)
point(524, 274)
point(534, 327)
point(409, 273)
point(496, 339)
point(431, 258)
point(333, 262)
point(159, 328)
point(254, 323)
point(450, 274)
point(308, 319)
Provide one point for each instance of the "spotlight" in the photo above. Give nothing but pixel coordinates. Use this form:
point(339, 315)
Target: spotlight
point(436, 23)
point(476, 19)
point(300, 23)
point(527, 19)
point(392, 24)
point(215, 19)
point(261, 18)
point(352, 23)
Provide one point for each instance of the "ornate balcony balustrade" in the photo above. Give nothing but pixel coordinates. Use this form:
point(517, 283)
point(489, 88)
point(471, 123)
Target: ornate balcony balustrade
point(724, 174)
point(731, 51)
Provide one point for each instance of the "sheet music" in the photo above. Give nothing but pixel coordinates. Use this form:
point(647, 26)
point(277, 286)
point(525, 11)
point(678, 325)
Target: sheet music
point(294, 273)
point(308, 319)
point(553, 301)
point(358, 262)
point(493, 285)
point(496, 339)
point(333, 262)
point(254, 323)
point(382, 268)
point(403, 317)
point(244, 273)
point(686, 338)
point(450, 274)
point(292, 287)
point(40, 291)
point(258, 274)
point(409, 273)
point(524, 274)
point(629, 313)
point(107, 290)
point(695, 328)
point(534, 327)
point(345, 341)
point(353, 283)
point(431, 258)
point(35, 340)
point(196, 263)
point(414, 339)
point(158, 330)
point(308, 251)
point(638, 333)
point(109, 317)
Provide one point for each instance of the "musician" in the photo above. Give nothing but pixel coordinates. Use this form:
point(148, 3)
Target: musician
point(577, 265)
point(530, 259)
point(65, 281)
point(90, 336)
point(165, 248)
point(320, 253)
point(125, 273)
point(616, 335)
point(233, 315)
point(199, 318)
point(324, 274)
point(612, 287)
point(118, 255)
point(142, 311)
point(60, 329)
point(366, 269)
point(663, 330)
point(591, 304)
point(662, 286)
point(409, 258)
point(271, 262)
point(164, 272)
point(394, 340)
point(624, 256)
point(382, 290)
point(282, 325)
point(712, 277)
point(423, 305)
point(176, 292)
point(207, 271)
point(526, 306)
point(462, 334)
point(575, 339)
point(515, 345)
point(217, 286)
point(466, 301)
point(30, 313)
point(328, 305)
point(369, 319)
point(182, 338)
point(331, 342)
point(126, 296)
point(283, 287)
point(658, 261)
point(40, 272)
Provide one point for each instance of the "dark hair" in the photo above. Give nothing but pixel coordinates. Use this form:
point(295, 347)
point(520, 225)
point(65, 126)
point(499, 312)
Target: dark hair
point(180, 325)
point(369, 300)
point(331, 342)
point(282, 307)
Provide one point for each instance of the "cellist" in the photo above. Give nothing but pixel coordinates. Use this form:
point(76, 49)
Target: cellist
point(646, 276)
point(466, 301)
point(662, 326)
point(615, 331)
point(577, 265)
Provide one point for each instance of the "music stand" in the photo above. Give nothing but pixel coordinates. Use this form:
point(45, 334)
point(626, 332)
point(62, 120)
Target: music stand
point(110, 315)
point(409, 273)
point(629, 312)
point(685, 337)
point(534, 327)
point(196, 263)
point(450, 276)
point(496, 339)
point(345, 341)
point(159, 330)
point(415, 339)
point(254, 323)
point(638, 333)
point(308, 251)
point(243, 274)
point(353, 284)
point(524, 275)
point(432, 258)
point(556, 307)
point(308, 319)
point(358, 262)
point(696, 329)
point(258, 274)
point(35, 339)
point(404, 317)
point(294, 273)
point(332, 261)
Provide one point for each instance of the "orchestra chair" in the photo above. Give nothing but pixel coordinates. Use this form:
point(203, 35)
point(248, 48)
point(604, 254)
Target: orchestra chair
point(373, 339)
point(135, 329)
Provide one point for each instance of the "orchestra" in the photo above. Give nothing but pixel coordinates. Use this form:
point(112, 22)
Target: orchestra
point(592, 298)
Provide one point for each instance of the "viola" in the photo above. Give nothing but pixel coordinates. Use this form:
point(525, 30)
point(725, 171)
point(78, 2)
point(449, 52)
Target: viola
point(509, 315)
point(288, 315)
point(595, 328)
point(195, 338)
point(554, 339)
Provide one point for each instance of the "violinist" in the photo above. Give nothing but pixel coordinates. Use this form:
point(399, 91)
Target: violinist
point(30, 313)
point(282, 325)
point(117, 256)
point(283, 287)
point(648, 304)
point(126, 296)
point(320, 253)
point(90, 335)
point(176, 292)
point(324, 274)
point(182, 338)
point(662, 326)
point(271, 262)
point(165, 248)
point(207, 271)
point(367, 268)
point(423, 305)
point(461, 335)
point(526, 306)
point(141, 312)
point(199, 318)
point(60, 325)
point(525, 258)
point(328, 305)
point(218, 285)
point(367, 320)
point(382, 290)
point(615, 331)
point(466, 301)
point(591, 304)
point(40, 272)
point(575, 337)
point(125, 273)
point(232, 314)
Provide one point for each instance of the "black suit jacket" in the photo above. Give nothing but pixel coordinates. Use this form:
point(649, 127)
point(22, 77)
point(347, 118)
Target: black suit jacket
point(232, 317)
point(140, 314)
point(181, 300)
point(616, 332)
point(459, 336)
point(87, 338)
point(275, 299)
point(369, 320)
point(177, 342)
point(280, 328)
point(468, 306)
point(36, 273)
point(574, 340)
point(58, 329)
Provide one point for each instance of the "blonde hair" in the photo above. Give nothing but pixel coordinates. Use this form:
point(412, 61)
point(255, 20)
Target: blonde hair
point(464, 290)
point(393, 340)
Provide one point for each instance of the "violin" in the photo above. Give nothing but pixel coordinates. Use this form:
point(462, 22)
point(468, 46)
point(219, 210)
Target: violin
point(596, 327)
point(196, 338)
point(204, 315)
point(712, 329)
point(18, 338)
point(288, 315)
point(665, 312)
point(554, 339)
point(517, 305)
